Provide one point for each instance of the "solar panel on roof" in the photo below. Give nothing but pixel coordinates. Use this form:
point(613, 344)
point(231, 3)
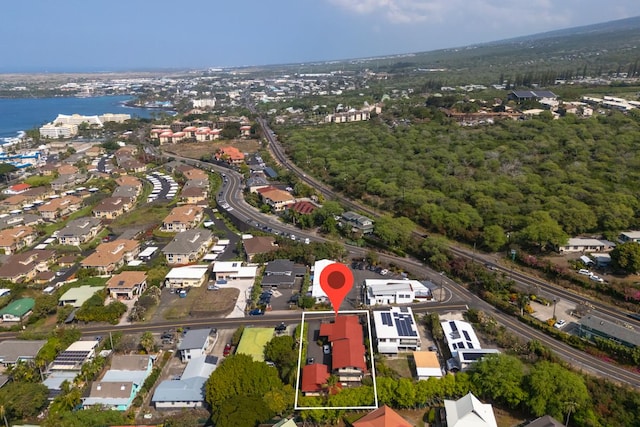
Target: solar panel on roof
point(470, 345)
point(453, 326)
point(460, 345)
point(404, 309)
point(466, 335)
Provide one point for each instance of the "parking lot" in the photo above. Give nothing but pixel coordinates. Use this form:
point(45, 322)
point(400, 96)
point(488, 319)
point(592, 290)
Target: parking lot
point(164, 187)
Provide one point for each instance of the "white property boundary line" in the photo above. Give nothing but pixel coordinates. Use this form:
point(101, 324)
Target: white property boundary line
point(373, 364)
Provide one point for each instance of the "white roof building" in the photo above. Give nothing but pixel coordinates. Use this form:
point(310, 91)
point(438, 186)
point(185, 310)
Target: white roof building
point(233, 270)
point(189, 276)
point(459, 335)
point(468, 411)
point(316, 289)
point(396, 330)
point(393, 291)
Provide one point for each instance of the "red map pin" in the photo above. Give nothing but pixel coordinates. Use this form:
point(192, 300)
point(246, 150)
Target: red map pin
point(336, 280)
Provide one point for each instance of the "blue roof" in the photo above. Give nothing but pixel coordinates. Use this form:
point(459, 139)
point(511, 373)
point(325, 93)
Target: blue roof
point(270, 172)
point(189, 390)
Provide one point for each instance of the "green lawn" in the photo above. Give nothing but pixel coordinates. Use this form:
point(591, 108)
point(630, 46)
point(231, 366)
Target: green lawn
point(142, 215)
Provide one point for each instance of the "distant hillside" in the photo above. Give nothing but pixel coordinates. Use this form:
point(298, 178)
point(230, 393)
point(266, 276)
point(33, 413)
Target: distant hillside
point(593, 51)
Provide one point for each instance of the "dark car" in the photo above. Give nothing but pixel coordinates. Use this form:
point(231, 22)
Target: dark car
point(227, 350)
point(256, 312)
point(281, 327)
point(166, 335)
point(310, 360)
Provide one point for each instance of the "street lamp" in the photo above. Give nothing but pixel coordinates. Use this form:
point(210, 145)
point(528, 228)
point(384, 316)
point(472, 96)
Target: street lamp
point(554, 308)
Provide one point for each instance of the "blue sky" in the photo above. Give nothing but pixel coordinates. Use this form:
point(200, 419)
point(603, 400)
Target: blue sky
point(88, 35)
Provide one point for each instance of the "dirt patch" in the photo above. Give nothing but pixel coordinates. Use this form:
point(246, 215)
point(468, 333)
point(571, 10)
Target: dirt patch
point(400, 365)
point(201, 302)
point(198, 150)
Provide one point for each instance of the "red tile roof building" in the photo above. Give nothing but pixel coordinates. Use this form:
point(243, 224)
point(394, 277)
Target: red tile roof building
point(348, 351)
point(314, 379)
point(382, 417)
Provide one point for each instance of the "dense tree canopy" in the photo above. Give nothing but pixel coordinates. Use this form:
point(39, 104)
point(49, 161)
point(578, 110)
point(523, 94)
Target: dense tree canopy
point(241, 379)
point(459, 180)
point(627, 257)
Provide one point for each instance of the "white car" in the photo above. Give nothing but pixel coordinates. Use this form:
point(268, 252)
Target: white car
point(585, 272)
point(559, 324)
point(596, 278)
point(326, 349)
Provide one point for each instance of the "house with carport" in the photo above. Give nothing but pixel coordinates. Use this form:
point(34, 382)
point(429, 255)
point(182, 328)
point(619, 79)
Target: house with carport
point(232, 270)
point(190, 276)
point(127, 285)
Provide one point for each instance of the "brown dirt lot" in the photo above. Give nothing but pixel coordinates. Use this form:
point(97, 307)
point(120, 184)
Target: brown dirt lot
point(201, 302)
point(197, 150)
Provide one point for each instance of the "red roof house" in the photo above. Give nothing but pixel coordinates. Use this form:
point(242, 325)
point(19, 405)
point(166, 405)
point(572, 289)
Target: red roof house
point(304, 207)
point(314, 378)
point(382, 417)
point(348, 352)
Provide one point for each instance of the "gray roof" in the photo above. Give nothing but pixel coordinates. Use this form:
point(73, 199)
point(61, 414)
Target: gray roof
point(13, 350)
point(188, 241)
point(545, 421)
point(125, 191)
point(189, 390)
point(256, 180)
point(614, 330)
point(23, 219)
point(79, 226)
point(194, 338)
point(279, 267)
point(197, 183)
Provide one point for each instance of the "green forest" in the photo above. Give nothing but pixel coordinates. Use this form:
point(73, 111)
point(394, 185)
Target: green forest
point(539, 180)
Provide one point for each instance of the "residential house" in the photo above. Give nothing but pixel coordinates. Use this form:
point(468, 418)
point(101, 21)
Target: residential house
point(276, 198)
point(259, 245)
point(396, 330)
point(127, 285)
point(189, 390)
point(187, 247)
point(126, 191)
point(17, 188)
point(346, 338)
point(393, 291)
point(592, 327)
point(231, 270)
point(427, 365)
point(303, 207)
point(468, 411)
point(191, 276)
point(629, 236)
point(24, 266)
point(182, 218)
point(582, 244)
point(17, 310)
point(14, 351)
point(357, 223)
point(194, 344)
point(191, 173)
point(95, 151)
point(48, 169)
point(59, 207)
point(316, 290)
point(314, 379)
point(545, 421)
point(116, 396)
point(231, 155)
point(133, 165)
point(464, 346)
point(382, 417)
point(67, 170)
point(130, 181)
point(112, 207)
point(282, 273)
point(194, 195)
point(68, 363)
point(256, 182)
point(110, 256)
point(66, 182)
point(79, 231)
point(17, 238)
point(79, 295)
point(8, 221)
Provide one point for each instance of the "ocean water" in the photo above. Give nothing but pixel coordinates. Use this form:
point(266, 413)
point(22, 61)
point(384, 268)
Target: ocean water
point(17, 115)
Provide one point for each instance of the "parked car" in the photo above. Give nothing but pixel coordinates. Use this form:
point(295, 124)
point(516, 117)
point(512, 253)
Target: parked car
point(559, 324)
point(166, 335)
point(585, 272)
point(310, 360)
point(256, 312)
point(326, 349)
point(596, 278)
point(227, 350)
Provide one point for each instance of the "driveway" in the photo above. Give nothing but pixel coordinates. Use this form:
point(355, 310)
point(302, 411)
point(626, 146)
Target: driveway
point(244, 285)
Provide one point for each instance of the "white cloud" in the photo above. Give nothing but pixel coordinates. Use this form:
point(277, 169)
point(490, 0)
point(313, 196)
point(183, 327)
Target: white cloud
point(488, 13)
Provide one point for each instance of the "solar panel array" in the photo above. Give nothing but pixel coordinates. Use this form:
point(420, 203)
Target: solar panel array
point(71, 358)
point(386, 319)
point(404, 324)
